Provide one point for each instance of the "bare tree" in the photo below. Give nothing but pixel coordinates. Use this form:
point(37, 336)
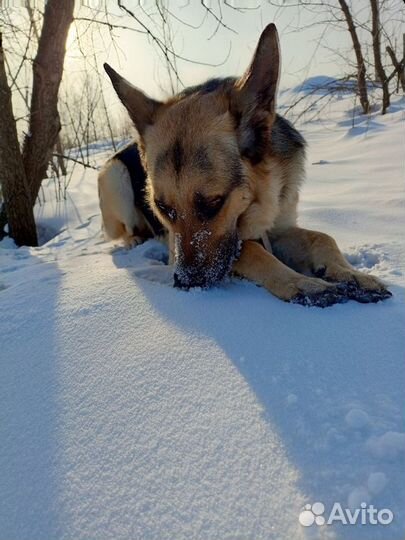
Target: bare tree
point(398, 65)
point(361, 67)
point(329, 14)
point(14, 182)
point(373, 26)
point(44, 124)
point(34, 25)
point(379, 68)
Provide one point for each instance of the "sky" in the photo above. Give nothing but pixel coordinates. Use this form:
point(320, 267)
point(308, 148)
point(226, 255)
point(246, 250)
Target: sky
point(226, 51)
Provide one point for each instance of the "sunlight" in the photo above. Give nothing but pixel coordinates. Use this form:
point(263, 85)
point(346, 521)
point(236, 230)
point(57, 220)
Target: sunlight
point(71, 38)
point(71, 45)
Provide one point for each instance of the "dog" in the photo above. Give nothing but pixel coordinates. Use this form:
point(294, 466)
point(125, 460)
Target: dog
point(217, 172)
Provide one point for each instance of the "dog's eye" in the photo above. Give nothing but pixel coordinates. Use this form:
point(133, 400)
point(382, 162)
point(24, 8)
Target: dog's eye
point(208, 208)
point(167, 211)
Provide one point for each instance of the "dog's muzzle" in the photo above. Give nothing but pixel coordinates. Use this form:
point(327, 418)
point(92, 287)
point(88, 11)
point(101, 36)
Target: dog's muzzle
point(208, 271)
point(187, 280)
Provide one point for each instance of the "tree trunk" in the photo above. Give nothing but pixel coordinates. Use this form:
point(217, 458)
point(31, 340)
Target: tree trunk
point(44, 124)
point(399, 66)
point(379, 68)
point(61, 162)
point(16, 193)
point(361, 67)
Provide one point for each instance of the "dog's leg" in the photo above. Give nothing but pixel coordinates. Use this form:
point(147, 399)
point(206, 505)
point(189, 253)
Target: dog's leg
point(260, 266)
point(121, 218)
point(131, 239)
point(317, 253)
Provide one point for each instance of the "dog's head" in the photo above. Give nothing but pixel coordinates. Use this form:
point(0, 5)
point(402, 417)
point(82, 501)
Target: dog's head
point(198, 149)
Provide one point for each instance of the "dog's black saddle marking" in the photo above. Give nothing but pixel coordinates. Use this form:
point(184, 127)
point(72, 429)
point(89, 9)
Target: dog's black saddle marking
point(129, 156)
point(211, 85)
point(285, 139)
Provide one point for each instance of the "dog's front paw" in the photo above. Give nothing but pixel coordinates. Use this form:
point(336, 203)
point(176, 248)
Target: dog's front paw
point(355, 285)
point(133, 241)
point(354, 291)
point(322, 299)
point(317, 293)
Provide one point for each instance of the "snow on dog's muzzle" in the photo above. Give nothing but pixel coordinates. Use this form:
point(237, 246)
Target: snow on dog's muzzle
point(199, 267)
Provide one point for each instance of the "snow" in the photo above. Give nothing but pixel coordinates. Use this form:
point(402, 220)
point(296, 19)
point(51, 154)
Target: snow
point(319, 84)
point(130, 409)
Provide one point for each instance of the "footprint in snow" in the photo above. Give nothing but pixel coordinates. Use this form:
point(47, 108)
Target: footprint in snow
point(365, 257)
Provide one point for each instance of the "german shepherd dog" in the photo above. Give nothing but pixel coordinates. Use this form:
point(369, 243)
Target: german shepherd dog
point(219, 171)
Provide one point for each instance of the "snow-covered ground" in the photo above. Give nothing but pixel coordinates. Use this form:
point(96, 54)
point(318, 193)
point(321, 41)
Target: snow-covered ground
point(131, 410)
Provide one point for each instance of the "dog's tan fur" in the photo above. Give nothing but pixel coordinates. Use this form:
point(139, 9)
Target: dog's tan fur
point(120, 217)
point(192, 146)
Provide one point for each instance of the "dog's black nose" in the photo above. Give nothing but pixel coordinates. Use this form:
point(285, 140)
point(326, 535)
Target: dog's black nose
point(178, 283)
point(188, 281)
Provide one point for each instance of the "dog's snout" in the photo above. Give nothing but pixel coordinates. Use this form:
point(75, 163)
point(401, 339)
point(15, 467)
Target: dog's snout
point(205, 269)
point(187, 280)
point(178, 282)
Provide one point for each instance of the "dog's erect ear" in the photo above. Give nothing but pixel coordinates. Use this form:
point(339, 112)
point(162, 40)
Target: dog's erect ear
point(254, 97)
point(141, 108)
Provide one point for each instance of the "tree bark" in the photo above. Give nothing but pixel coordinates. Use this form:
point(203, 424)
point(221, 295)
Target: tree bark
point(16, 193)
point(379, 68)
point(44, 124)
point(61, 162)
point(59, 157)
point(399, 66)
point(361, 66)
